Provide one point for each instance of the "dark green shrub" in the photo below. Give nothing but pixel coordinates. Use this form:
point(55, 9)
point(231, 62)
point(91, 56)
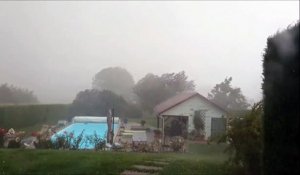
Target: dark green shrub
point(44, 144)
point(14, 144)
point(245, 141)
point(281, 103)
point(20, 116)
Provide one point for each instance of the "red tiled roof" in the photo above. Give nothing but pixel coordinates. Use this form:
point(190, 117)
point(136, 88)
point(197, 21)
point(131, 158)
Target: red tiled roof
point(177, 99)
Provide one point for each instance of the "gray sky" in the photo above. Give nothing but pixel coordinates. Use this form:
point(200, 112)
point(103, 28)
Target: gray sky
point(55, 48)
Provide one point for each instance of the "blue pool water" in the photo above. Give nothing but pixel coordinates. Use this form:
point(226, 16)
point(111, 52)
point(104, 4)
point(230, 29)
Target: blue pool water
point(89, 129)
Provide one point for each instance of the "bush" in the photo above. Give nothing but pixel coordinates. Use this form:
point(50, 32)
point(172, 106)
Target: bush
point(44, 144)
point(14, 144)
point(177, 143)
point(157, 133)
point(98, 142)
point(245, 141)
point(68, 141)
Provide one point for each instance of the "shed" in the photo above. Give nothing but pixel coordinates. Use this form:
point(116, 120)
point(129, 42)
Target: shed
point(183, 107)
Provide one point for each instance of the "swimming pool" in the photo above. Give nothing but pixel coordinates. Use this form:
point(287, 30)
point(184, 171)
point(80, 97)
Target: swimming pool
point(89, 130)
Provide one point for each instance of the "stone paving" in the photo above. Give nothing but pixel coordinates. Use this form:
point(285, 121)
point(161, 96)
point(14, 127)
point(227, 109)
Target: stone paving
point(145, 169)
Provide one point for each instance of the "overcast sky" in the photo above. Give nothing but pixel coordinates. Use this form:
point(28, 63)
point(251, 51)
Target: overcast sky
point(55, 48)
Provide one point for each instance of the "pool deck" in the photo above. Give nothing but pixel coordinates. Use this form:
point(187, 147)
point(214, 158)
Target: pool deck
point(125, 135)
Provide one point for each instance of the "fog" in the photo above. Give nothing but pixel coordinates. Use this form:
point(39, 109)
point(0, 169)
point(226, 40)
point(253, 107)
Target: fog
point(55, 48)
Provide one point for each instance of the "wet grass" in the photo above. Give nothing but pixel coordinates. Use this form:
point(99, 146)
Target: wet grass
point(202, 159)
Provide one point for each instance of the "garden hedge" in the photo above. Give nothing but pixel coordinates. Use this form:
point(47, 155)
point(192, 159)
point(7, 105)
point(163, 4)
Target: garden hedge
point(20, 116)
point(281, 103)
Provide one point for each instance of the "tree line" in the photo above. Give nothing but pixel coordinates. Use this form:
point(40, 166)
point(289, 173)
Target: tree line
point(115, 87)
point(10, 94)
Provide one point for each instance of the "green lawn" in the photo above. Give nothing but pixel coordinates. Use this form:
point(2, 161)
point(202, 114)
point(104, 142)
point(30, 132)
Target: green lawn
point(202, 159)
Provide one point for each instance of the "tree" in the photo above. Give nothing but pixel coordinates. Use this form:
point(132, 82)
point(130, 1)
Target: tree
point(177, 82)
point(281, 103)
point(227, 97)
point(14, 95)
point(115, 79)
point(95, 102)
point(6, 95)
point(153, 89)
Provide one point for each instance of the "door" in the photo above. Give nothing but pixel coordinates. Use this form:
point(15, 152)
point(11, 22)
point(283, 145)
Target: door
point(218, 126)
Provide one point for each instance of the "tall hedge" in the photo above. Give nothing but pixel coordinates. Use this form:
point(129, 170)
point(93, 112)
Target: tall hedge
point(20, 116)
point(281, 103)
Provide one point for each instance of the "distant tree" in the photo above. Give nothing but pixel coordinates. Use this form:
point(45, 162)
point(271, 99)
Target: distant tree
point(14, 95)
point(153, 89)
point(281, 103)
point(177, 82)
point(6, 95)
point(115, 79)
point(94, 103)
point(228, 97)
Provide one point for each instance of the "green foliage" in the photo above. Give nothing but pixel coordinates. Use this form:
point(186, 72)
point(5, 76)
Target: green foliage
point(153, 89)
point(14, 144)
point(98, 142)
point(150, 91)
point(245, 141)
point(94, 103)
point(44, 144)
point(115, 79)
point(281, 103)
point(29, 115)
point(14, 95)
point(228, 97)
point(69, 142)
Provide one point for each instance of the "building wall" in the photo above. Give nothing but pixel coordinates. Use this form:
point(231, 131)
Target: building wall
point(189, 107)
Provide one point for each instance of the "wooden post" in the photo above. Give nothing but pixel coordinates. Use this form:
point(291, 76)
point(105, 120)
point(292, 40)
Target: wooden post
point(113, 123)
point(163, 130)
point(157, 122)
